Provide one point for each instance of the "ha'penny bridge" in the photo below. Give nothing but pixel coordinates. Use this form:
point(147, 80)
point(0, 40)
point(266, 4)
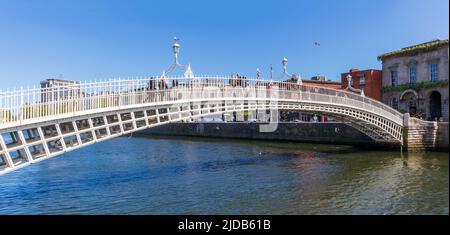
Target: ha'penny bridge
point(39, 123)
point(44, 122)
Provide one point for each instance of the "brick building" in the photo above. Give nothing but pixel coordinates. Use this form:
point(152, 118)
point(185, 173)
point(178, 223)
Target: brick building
point(322, 83)
point(319, 81)
point(367, 80)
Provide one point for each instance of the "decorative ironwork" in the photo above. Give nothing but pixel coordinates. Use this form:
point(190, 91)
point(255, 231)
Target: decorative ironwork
point(176, 64)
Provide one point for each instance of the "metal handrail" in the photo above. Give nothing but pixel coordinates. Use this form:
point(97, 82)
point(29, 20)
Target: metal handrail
point(17, 105)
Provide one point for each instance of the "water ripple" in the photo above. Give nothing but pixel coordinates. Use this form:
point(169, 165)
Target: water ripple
point(206, 176)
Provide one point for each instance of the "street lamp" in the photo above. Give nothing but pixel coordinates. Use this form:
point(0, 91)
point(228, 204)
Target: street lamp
point(187, 68)
point(293, 77)
point(176, 49)
point(349, 80)
point(285, 62)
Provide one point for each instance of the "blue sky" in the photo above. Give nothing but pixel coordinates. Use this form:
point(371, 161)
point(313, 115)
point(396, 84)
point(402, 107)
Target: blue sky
point(87, 40)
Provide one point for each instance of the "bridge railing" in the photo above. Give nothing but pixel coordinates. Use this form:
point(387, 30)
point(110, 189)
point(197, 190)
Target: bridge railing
point(49, 102)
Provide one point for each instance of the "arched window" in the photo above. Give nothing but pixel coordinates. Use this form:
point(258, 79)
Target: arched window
point(435, 106)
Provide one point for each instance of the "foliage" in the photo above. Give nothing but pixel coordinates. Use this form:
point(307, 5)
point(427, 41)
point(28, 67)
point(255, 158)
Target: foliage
point(416, 86)
point(414, 50)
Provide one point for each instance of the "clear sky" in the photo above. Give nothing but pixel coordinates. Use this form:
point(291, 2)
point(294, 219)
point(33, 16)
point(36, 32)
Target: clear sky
point(87, 40)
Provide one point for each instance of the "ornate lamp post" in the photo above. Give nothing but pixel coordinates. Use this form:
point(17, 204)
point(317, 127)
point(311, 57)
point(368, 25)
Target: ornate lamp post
point(293, 77)
point(176, 49)
point(176, 64)
point(285, 63)
point(349, 80)
point(351, 88)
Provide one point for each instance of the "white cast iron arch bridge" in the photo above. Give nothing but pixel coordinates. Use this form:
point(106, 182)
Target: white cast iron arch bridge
point(39, 123)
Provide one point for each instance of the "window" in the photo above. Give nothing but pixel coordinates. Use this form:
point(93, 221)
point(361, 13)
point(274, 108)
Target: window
point(362, 80)
point(394, 77)
point(412, 75)
point(394, 103)
point(434, 72)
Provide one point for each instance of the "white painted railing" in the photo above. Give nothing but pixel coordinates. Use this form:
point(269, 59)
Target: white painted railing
point(50, 102)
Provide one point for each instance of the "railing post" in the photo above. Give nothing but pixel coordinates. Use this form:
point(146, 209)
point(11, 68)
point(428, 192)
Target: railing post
point(119, 94)
point(19, 106)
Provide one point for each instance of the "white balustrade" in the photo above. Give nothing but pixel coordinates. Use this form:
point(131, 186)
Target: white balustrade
point(37, 103)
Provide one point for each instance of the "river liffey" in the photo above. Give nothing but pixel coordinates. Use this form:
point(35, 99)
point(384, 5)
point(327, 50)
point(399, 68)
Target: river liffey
point(210, 176)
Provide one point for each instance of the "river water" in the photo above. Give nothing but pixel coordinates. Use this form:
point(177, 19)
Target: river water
point(167, 175)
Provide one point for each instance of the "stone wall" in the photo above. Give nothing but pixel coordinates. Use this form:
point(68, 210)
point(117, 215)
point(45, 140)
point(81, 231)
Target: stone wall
point(418, 135)
point(422, 135)
point(334, 133)
point(442, 136)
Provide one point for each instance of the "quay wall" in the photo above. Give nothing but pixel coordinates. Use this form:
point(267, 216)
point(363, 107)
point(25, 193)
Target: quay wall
point(418, 135)
point(330, 132)
point(422, 135)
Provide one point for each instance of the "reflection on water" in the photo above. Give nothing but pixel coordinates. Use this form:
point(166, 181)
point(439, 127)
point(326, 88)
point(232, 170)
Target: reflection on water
point(210, 176)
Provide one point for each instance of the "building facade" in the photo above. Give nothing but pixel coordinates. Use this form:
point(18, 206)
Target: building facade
point(322, 83)
point(58, 89)
point(368, 81)
point(415, 80)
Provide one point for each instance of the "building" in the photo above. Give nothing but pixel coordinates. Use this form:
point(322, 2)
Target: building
point(322, 82)
point(415, 80)
point(318, 81)
point(319, 78)
point(369, 81)
point(58, 89)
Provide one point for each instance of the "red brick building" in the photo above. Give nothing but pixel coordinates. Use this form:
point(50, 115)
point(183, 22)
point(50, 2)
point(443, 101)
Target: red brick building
point(319, 81)
point(367, 80)
point(327, 84)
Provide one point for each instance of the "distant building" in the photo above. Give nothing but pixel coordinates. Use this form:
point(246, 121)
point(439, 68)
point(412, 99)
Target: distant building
point(319, 81)
point(58, 89)
point(415, 80)
point(369, 81)
point(322, 83)
point(321, 78)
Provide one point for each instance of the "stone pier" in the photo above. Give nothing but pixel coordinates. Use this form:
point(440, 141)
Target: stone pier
point(419, 135)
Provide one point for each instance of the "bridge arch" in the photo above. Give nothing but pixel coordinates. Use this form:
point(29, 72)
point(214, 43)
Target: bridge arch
point(40, 130)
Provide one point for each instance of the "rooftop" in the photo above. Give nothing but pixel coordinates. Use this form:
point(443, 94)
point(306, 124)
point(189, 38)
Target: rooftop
point(319, 81)
point(353, 71)
point(58, 80)
point(414, 50)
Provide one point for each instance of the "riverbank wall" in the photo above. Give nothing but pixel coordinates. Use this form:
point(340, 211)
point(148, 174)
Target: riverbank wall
point(422, 135)
point(329, 133)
